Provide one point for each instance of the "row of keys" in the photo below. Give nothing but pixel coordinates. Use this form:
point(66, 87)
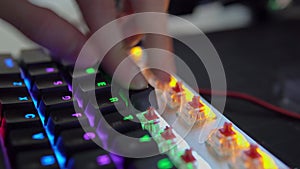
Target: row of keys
point(70, 134)
point(26, 142)
point(54, 102)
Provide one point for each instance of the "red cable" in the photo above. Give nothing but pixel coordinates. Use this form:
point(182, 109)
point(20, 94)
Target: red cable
point(252, 99)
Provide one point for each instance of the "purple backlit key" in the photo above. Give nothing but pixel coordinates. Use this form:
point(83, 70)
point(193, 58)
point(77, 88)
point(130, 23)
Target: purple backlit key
point(41, 71)
point(94, 159)
point(49, 85)
point(55, 101)
point(77, 140)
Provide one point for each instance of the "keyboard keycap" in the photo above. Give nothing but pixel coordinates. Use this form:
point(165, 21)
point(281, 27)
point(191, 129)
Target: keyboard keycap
point(23, 118)
point(27, 139)
point(15, 101)
point(8, 67)
point(65, 119)
point(12, 85)
point(143, 99)
point(38, 159)
point(30, 57)
point(86, 89)
point(121, 123)
point(95, 159)
point(135, 147)
point(42, 71)
point(48, 85)
point(77, 140)
point(93, 111)
point(55, 101)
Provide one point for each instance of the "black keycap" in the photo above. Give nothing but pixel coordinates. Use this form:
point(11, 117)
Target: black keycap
point(96, 112)
point(95, 159)
point(27, 139)
point(30, 57)
point(154, 162)
point(106, 97)
point(12, 85)
point(8, 67)
point(15, 101)
point(143, 99)
point(48, 85)
point(80, 74)
point(64, 119)
point(42, 71)
point(21, 118)
point(86, 89)
point(140, 143)
point(55, 101)
point(103, 98)
point(77, 140)
point(92, 111)
point(38, 159)
point(122, 123)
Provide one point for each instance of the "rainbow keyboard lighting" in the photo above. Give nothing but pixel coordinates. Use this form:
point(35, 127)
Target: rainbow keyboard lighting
point(46, 126)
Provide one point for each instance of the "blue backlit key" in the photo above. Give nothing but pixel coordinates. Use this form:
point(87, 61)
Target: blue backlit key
point(12, 85)
point(21, 118)
point(15, 101)
point(8, 67)
point(36, 159)
point(94, 159)
point(27, 139)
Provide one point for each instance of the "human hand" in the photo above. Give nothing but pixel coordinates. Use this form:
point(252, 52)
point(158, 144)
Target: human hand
point(65, 41)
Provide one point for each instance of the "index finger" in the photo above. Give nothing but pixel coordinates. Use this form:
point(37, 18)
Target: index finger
point(97, 14)
point(155, 40)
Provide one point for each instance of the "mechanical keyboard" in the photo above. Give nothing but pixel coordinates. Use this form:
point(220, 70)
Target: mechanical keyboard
point(46, 126)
